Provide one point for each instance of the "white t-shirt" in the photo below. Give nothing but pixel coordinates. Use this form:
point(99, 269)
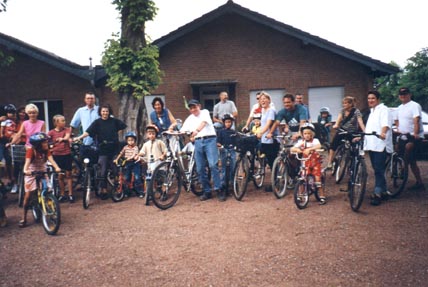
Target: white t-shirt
point(301, 143)
point(379, 117)
point(192, 123)
point(405, 115)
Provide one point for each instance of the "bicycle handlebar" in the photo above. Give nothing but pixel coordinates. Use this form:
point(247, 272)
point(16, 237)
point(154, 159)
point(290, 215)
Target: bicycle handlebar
point(300, 157)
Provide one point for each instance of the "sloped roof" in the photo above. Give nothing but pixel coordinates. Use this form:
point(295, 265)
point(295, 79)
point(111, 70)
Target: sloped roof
point(49, 58)
point(232, 8)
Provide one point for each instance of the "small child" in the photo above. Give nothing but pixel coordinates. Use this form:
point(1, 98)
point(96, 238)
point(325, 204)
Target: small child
point(7, 132)
point(153, 149)
point(324, 119)
point(190, 146)
point(36, 158)
point(257, 125)
point(227, 138)
point(61, 151)
point(132, 167)
point(308, 145)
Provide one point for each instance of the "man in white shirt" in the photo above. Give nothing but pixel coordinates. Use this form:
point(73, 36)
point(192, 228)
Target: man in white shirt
point(379, 121)
point(409, 121)
point(200, 124)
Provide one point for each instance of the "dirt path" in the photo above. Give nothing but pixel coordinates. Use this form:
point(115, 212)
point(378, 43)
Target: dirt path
point(261, 241)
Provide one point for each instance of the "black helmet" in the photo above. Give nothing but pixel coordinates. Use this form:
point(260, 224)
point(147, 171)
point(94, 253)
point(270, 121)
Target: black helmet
point(37, 138)
point(227, 117)
point(324, 110)
point(130, 134)
point(10, 109)
point(153, 127)
point(307, 126)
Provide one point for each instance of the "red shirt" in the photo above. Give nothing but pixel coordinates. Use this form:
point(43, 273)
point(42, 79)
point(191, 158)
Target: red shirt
point(63, 147)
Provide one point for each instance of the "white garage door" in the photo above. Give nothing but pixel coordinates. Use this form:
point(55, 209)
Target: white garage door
point(325, 97)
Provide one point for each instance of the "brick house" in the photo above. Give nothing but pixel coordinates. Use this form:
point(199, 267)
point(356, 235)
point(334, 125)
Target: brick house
point(230, 48)
point(241, 51)
point(54, 84)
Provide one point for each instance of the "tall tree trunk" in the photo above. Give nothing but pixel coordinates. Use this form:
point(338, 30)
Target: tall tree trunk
point(133, 113)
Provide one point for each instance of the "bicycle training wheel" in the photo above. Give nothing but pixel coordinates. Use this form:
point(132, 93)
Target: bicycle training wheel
point(358, 188)
point(240, 178)
point(396, 176)
point(165, 185)
point(52, 217)
point(87, 185)
point(341, 163)
point(279, 177)
point(259, 172)
point(301, 194)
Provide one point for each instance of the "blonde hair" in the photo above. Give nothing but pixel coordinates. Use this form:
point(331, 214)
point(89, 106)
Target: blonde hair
point(56, 118)
point(266, 95)
point(350, 100)
point(31, 107)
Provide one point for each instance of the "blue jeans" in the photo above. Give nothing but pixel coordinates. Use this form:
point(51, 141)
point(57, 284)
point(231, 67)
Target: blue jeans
point(223, 163)
point(378, 160)
point(134, 168)
point(206, 151)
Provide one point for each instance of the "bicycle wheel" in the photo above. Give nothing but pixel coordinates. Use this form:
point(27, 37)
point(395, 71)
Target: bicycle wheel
point(227, 175)
point(279, 177)
point(358, 187)
point(21, 190)
point(87, 186)
point(119, 188)
point(35, 208)
point(53, 178)
point(396, 175)
point(51, 217)
point(301, 194)
point(341, 162)
point(240, 178)
point(165, 185)
point(196, 185)
point(259, 172)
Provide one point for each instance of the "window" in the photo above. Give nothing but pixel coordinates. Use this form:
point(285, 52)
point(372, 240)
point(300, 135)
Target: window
point(48, 109)
point(330, 97)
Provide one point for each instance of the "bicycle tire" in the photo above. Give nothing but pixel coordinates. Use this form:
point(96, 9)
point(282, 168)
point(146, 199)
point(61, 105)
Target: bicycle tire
point(196, 185)
point(240, 178)
point(55, 184)
point(87, 186)
point(227, 179)
point(36, 211)
point(301, 194)
point(52, 217)
point(21, 189)
point(279, 177)
point(358, 188)
point(341, 162)
point(396, 176)
point(165, 185)
point(259, 172)
point(119, 189)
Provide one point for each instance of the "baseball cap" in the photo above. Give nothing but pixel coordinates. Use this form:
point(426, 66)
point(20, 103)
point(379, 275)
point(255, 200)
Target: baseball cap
point(193, 102)
point(403, 91)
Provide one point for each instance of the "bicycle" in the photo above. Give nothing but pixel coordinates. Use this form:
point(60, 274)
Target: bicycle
point(283, 173)
point(18, 159)
point(46, 206)
point(123, 188)
point(305, 185)
point(357, 169)
point(341, 158)
point(169, 176)
point(396, 172)
point(249, 166)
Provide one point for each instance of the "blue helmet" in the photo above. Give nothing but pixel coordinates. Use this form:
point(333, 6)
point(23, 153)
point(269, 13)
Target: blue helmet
point(131, 134)
point(10, 108)
point(37, 139)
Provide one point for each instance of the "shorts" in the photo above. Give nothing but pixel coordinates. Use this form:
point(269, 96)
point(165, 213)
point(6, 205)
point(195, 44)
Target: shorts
point(64, 161)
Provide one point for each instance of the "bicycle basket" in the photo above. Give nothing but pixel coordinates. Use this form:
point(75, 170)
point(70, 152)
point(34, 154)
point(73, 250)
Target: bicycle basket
point(89, 151)
point(18, 153)
point(247, 143)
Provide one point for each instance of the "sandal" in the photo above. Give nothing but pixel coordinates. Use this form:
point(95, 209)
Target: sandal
point(323, 200)
point(22, 223)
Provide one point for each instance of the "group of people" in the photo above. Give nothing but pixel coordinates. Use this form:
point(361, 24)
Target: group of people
point(98, 126)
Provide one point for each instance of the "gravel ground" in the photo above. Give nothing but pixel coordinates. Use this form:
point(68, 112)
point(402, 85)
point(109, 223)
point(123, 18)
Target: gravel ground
point(261, 241)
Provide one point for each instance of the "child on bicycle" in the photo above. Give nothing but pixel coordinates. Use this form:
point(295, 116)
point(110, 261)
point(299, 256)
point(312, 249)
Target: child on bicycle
point(226, 137)
point(324, 119)
point(61, 151)
point(308, 146)
point(154, 149)
point(255, 130)
point(132, 166)
point(36, 159)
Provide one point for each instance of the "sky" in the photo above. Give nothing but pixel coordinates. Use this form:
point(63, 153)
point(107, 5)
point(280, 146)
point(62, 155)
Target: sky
point(386, 30)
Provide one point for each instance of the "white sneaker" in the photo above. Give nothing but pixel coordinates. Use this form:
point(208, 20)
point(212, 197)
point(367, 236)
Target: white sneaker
point(14, 189)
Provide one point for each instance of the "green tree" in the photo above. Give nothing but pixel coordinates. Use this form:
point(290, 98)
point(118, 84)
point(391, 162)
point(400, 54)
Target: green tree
point(131, 63)
point(388, 87)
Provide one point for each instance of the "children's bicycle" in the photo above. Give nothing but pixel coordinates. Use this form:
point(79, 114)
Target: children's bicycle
point(46, 206)
point(305, 185)
point(122, 187)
